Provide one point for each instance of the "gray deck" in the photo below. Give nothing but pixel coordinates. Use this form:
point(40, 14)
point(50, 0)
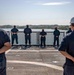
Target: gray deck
point(34, 61)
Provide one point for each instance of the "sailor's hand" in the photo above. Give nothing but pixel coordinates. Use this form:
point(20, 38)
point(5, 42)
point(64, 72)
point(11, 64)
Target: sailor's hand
point(57, 36)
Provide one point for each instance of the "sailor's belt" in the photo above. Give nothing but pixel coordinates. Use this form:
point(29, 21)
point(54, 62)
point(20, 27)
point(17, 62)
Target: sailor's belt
point(42, 36)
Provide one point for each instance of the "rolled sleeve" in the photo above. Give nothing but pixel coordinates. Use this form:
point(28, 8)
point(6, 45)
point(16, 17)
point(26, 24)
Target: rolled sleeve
point(6, 38)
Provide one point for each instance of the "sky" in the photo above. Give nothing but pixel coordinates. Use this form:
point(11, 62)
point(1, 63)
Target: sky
point(36, 12)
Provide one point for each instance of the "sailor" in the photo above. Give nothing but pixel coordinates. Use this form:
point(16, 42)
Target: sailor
point(43, 38)
point(67, 49)
point(14, 35)
point(56, 34)
point(27, 32)
point(69, 31)
point(4, 46)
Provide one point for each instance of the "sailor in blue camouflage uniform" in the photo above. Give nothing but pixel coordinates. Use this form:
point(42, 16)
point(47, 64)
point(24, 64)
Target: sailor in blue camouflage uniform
point(14, 35)
point(69, 31)
point(43, 38)
point(4, 46)
point(67, 49)
point(56, 34)
point(27, 32)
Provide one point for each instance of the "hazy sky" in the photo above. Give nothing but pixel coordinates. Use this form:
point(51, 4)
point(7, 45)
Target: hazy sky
point(22, 12)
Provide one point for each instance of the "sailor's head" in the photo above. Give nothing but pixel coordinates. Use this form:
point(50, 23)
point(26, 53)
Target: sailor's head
point(42, 29)
point(72, 23)
point(55, 28)
point(27, 26)
point(14, 26)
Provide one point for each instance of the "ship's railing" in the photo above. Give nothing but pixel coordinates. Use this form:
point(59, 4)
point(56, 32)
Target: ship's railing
point(35, 37)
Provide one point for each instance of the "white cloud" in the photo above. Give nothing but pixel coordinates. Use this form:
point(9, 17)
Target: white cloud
point(54, 3)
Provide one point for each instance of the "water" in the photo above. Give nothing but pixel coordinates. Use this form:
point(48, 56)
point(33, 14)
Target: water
point(35, 30)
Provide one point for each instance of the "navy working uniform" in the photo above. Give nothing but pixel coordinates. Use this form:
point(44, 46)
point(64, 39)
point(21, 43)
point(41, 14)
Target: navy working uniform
point(3, 39)
point(27, 32)
point(56, 34)
point(69, 31)
point(14, 35)
point(68, 46)
point(43, 38)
